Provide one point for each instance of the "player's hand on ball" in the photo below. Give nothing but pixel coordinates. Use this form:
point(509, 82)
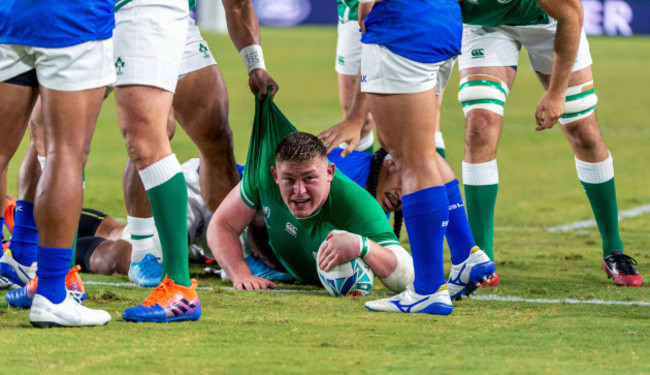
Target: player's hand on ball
point(260, 80)
point(254, 283)
point(339, 247)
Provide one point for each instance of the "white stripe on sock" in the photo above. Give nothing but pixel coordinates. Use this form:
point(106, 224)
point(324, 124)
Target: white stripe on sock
point(160, 172)
point(481, 174)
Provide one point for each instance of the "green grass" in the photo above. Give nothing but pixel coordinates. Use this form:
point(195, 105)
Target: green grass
point(258, 332)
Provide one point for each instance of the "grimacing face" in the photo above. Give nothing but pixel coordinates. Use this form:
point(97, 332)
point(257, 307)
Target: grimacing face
point(389, 187)
point(304, 186)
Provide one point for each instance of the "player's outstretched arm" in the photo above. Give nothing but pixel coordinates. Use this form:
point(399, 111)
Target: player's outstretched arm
point(569, 16)
point(244, 30)
point(350, 129)
point(227, 223)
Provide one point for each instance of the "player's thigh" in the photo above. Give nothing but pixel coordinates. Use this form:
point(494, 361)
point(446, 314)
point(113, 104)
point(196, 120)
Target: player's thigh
point(347, 87)
point(201, 104)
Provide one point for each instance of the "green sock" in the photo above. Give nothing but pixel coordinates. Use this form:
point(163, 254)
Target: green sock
point(602, 198)
point(480, 201)
point(442, 152)
point(169, 206)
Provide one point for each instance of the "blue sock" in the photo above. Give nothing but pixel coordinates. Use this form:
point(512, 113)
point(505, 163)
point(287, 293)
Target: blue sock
point(53, 266)
point(459, 234)
point(24, 238)
point(425, 214)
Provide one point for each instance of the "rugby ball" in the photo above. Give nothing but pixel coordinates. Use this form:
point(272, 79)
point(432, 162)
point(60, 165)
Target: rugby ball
point(353, 278)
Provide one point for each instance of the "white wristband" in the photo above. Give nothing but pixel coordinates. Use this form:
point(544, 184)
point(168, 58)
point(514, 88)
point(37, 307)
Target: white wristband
point(252, 57)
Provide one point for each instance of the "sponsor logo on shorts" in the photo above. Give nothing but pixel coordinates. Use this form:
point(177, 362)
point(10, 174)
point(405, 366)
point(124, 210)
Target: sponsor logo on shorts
point(291, 229)
point(478, 53)
point(119, 65)
point(444, 223)
point(204, 50)
point(340, 60)
point(364, 78)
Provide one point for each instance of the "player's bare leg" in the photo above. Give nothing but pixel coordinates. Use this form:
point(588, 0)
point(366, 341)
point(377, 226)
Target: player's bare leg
point(595, 169)
point(16, 103)
point(201, 107)
point(480, 173)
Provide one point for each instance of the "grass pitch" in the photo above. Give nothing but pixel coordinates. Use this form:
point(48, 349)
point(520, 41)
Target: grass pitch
point(308, 331)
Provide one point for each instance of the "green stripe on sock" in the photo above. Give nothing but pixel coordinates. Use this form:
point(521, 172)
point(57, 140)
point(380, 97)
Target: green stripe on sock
point(169, 206)
point(480, 201)
point(442, 152)
point(369, 150)
point(134, 237)
point(602, 198)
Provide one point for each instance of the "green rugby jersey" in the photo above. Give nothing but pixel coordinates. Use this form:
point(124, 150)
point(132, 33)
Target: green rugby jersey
point(294, 241)
point(348, 10)
point(493, 13)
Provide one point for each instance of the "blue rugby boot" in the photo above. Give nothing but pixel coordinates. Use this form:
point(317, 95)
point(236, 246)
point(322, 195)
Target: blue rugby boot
point(465, 277)
point(14, 271)
point(147, 273)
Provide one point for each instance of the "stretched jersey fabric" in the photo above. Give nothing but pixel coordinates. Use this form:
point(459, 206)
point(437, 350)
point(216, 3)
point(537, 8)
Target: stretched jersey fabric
point(493, 13)
point(55, 23)
point(348, 10)
point(294, 241)
point(425, 31)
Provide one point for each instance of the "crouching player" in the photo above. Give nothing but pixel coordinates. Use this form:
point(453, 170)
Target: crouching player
point(303, 199)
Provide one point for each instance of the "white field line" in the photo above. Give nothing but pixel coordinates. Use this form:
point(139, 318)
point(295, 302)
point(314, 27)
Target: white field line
point(626, 214)
point(488, 297)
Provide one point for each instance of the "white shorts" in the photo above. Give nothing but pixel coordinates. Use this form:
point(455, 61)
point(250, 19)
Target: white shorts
point(149, 42)
point(197, 54)
point(384, 72)
point(83, 66)
point(348, 49)
point(500, 46)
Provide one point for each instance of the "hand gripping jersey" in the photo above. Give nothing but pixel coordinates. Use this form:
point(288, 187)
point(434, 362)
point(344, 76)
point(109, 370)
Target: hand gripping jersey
point(55, 23)
point(425, 31)
point(295, 242)
point(493, 13)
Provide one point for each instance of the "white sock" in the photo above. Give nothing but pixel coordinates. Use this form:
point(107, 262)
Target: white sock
point(481, 174)
point(595, 173)
point(142, 241)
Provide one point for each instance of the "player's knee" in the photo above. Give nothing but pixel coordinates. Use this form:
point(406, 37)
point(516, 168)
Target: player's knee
point(403, 274)
point(482, 91)
point(580, 103)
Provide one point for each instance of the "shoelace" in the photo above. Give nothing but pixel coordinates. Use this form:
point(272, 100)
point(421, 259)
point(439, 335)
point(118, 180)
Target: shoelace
point(160, 292)
point(624, 263)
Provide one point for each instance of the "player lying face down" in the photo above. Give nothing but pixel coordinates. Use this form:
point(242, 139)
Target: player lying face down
point(303, 200)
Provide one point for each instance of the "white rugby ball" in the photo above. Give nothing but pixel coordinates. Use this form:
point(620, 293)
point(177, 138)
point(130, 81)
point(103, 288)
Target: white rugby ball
point(353, 278)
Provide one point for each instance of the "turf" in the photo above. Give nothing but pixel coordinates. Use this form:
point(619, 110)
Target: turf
point(307, 331)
